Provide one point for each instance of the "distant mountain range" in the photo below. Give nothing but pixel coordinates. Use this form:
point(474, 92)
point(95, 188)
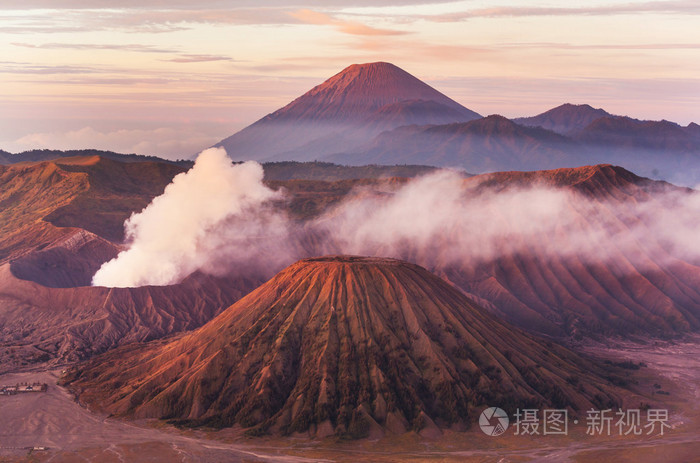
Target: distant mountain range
point(49, 155)
point(377, 113)
point(567, 119)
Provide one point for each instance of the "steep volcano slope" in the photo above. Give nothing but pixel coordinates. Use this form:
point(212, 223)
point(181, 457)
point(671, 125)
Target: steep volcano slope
point(49, 255)
point(62, 219)
point(631, 284)
point(345, 110)
point(48, 202)
point(343, 345)
point(27, 194)
point(75, 323)
point(621, 278)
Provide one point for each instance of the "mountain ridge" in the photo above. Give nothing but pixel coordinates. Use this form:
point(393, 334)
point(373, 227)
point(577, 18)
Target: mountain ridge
point(564, 119)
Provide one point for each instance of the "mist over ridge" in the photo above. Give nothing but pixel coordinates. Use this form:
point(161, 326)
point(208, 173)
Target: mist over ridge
point(220, 218)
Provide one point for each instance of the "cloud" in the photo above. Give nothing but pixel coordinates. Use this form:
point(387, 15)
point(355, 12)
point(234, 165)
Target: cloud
point(440, 221)
point(199, 58)
point(671, 7)
point(159, 20)
point(611, 46)
point(94, 46)
point(9, 67)
point(347, 27)
point(172, 142)
point(215, 217)
point(157, 16)
point(204, 4)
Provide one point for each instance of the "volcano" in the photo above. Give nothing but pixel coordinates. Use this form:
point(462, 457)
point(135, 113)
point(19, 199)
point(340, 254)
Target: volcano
point(350, 107)
point(342, 345)
point(60, 221)
point(566, 119)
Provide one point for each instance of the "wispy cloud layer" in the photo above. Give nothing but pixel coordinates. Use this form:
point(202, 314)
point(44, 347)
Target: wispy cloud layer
point(204, 4)
point(13, 67)
point(348, 27)
point(92, 59)
point(673, 7)
point(199, 58)
point(96, 46)
point(168, 142)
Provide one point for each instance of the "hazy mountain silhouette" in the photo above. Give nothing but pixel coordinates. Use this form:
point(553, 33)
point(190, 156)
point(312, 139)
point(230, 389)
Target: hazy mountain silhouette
point(565, 119)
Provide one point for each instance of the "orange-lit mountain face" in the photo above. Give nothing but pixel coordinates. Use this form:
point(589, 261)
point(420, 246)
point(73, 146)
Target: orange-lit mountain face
point(345, 110)
point(38, 323)
point(342, 345)
point(636, 290)
point(60, 221)
point(604, 266)
point(48, 201)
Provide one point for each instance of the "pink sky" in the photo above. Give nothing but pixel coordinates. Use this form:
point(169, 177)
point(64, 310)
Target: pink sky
point(171, 78)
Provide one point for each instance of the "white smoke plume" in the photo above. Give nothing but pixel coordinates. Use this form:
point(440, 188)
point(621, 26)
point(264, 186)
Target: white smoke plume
point(435, 221)
point(219, 218)
point(212, 218)
point(440, 220)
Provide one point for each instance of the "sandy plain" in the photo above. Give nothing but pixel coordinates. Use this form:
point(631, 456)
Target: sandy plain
point(70, 432)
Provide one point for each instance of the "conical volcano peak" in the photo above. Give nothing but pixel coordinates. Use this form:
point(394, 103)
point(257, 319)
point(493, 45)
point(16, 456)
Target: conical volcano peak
point(359, 90)
point(380, 80)
point(346, 110)
point(342, 345)
point(376, 70)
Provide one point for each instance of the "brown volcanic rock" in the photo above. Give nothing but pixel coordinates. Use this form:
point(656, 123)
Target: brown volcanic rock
point(68, 262)
point(344, 345)
point(27, 194)
point(75, 323)
point(116, 189)
point(49, 256)
point(45, 203)
point(639, 288)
